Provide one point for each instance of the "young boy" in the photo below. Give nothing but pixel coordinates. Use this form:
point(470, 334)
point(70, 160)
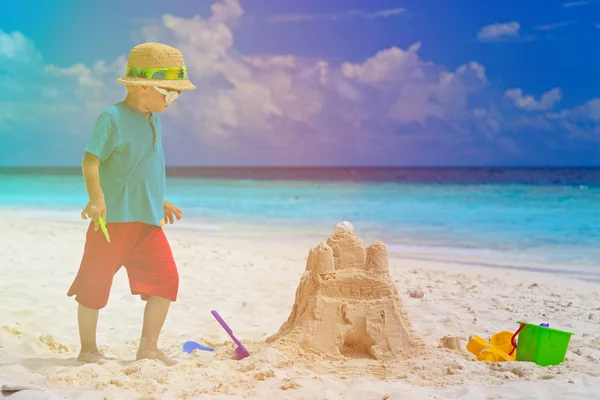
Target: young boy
point(124, 173)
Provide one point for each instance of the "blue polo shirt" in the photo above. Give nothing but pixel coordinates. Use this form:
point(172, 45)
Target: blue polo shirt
point(132, 164)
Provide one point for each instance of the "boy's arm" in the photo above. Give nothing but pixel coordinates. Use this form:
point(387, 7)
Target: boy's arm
point(171, 212)
point(90, 167)
point(96, 207)
point(100, 146)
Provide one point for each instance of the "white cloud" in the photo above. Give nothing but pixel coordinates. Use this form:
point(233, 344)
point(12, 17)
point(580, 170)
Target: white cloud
point(412, 90)
point(391, 65)
point(589, 111)
point(256, 107)
point(17, 48)
point(528, 103)
point(18, 60)
point(497, 32)
point(302, 17)
point(537, 121)
point(386, 13)
point(551, 27)
point(575, 4)
point(90, 90)
point(582, 121)
point(226, 12)
point(273, 97)
point(338, 15)
point(270, 101)
point(491, 122)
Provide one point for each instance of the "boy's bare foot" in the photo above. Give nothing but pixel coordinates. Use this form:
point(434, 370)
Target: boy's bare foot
point(155, 354)
point(90, 356)
point(154, 318)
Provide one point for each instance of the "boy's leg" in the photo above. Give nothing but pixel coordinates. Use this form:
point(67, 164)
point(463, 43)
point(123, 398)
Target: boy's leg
point(153, 275)
point(87, 320)
point(155, 314)
point(92, 284)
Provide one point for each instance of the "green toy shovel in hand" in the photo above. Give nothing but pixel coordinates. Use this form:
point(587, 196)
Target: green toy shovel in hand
point(103, 227)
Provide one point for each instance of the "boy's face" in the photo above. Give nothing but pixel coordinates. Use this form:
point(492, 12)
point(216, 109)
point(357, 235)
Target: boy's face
point(153, 99)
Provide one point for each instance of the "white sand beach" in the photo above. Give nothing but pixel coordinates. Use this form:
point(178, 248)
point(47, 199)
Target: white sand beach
point(250, 277)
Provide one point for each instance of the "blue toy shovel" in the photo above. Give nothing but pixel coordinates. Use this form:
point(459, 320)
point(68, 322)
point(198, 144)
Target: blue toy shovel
point(190, 346)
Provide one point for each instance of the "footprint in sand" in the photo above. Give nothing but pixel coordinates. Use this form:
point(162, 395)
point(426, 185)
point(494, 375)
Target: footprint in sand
point(53, 345)
point(11, 331)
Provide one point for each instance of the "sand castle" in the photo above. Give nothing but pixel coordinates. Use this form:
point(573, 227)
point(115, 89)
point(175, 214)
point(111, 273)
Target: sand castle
point(346, 304)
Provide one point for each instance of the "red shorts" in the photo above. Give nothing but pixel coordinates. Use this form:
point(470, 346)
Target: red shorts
point(142, 249)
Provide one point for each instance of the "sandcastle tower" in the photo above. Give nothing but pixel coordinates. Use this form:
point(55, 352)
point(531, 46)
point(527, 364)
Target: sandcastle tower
point(346, 304)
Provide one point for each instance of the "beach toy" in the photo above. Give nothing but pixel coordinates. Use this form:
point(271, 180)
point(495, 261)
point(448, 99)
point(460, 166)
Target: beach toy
point(240, 350)
point(497, 350)
point(190, 346)
point(540, 344)
point(503, 341)
point(103, 227)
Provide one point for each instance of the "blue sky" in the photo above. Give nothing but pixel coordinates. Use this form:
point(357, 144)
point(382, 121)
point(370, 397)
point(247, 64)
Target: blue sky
point(349, 82)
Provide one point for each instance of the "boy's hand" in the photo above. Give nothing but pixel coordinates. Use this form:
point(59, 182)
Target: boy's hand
point(172, 212)
point(95, 209)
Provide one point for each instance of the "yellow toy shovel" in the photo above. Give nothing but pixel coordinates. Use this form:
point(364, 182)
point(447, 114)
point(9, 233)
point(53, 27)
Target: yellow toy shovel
point(103, 227)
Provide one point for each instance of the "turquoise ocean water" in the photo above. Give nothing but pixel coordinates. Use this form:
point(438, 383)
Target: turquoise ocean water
point(549, 216)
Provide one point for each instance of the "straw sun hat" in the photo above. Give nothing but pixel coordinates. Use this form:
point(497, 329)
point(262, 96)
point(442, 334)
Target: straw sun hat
point(156, 64)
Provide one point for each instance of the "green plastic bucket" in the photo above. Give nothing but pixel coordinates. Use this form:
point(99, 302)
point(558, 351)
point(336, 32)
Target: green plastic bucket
point(541, 345)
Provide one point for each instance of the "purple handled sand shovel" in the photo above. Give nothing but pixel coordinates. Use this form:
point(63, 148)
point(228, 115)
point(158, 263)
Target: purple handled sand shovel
point(240, 350)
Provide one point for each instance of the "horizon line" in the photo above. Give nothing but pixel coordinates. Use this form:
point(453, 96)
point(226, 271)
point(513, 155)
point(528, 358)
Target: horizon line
point(3, 167)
